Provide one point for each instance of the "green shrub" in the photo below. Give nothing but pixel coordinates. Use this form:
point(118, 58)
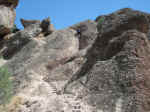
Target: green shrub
point(101, 20)
point(5, 86)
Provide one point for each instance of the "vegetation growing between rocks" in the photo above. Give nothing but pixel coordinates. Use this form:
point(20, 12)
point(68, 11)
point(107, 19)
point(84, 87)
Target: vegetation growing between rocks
point(101, 20)
point(13, 106)
point(5, 86)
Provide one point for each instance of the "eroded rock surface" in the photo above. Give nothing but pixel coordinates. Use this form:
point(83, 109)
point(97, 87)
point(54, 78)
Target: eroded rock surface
point(117, 84)
point(93, 66)
point(7, 18)
point(45, 25)
point(18, 40)
point(86, 32)
point(111, 69)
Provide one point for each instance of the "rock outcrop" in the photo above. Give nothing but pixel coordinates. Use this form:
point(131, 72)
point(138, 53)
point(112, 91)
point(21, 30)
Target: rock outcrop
point(45, 25)
point(112, 74)
point(86, 32)
point(27, 23)
point(18, 40)
point(92, 66)
point(7, 15)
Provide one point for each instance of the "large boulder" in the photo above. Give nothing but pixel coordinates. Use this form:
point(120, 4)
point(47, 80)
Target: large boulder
point(15, 42)
point(46, 54)
point(120, 83)
point(115, 75)
point(46, 26)
point(7, 18)
point(7, 15)
point(130, 18)
point(118, 22)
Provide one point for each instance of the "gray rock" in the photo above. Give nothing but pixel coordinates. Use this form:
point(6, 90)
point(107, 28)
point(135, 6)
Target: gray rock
point(56, 47)
point(80, 70)
point(116, 84)
point(30, 69)
point(86, 32)
point(131, 19)
point(19, 40)
point(113, 41)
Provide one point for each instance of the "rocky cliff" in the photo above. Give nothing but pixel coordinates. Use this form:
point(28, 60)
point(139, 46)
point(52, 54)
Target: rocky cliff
point(92, 66)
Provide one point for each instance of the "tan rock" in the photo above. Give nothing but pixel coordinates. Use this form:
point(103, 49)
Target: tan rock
point(7, 18)
point(51, 27)
point(27, 23)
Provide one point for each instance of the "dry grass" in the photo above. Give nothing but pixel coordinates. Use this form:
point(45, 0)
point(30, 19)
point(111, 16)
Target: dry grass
point(13, 106)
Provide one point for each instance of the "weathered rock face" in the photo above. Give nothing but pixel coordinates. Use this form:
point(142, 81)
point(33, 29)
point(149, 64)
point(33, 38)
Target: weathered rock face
point(129, 18)
point(111, 74)
point(15, 42)
point(92, 66)
point(50, 52)
point(119, 84)
point(7, 16)
point(45, 25)
point(86, 32)
point(18, 40)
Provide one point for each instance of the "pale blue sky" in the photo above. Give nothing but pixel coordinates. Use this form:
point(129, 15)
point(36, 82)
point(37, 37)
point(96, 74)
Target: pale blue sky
point(64, 13)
